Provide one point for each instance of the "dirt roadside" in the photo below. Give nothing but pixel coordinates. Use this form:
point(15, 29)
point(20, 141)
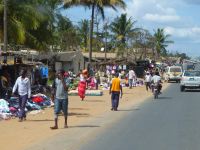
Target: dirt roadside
point(18, 136)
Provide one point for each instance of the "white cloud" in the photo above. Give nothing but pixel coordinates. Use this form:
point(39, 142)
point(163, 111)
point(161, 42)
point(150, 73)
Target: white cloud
point(190, 33)
point(152, 10)
point(161, 18)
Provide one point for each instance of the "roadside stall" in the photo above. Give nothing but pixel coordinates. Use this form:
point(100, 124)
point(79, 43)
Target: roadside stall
point(9, 71)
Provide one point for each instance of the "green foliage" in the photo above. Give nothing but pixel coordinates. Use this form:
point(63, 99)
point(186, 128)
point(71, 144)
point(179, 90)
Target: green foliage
point(122, 27)
point(39, 24)
point(161, 42)
point(179, 55)
point(98, 5)
point(27, 21)
point(83, 31)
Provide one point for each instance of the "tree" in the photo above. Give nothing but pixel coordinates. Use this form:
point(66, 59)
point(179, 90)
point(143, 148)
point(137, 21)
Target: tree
point(181, 55)
point(98, 5)
point(25, 18)
point(83, 30)
point(66, 35)
point(161, 42)
point(21, 17)
point(141, 40)
point(122, 27)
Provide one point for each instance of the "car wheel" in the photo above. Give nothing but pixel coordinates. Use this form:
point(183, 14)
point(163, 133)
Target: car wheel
point(182, 88)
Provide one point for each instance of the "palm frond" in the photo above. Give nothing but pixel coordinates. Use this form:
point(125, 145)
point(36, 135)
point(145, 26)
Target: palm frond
point(16, 31)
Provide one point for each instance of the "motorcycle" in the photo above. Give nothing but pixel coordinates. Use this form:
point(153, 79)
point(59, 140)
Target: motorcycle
point(155, 90)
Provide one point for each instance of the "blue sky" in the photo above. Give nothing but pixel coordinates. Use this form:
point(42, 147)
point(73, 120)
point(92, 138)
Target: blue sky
point(179, 18)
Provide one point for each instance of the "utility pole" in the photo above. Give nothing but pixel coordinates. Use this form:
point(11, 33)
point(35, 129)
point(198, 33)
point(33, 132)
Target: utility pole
point(5, 30)
point(97, 30)
point(106, 27)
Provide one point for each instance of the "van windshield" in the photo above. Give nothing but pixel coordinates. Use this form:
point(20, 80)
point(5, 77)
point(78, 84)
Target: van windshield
point(192, 73)
point(175, 69)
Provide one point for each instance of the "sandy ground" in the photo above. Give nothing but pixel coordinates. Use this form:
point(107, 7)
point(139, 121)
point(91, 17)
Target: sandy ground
point(20, 135)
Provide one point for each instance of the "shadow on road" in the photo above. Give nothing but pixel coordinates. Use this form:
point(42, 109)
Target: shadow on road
point(85, 126)
point(126, 93)
point(79, 114)
point(129, 109)
point(193, 90)
point(39, 120)
point(95, 101)
point(78, 109)
point(162, 98)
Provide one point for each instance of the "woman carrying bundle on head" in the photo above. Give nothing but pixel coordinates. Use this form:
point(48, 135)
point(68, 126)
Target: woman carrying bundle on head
point(82, 84)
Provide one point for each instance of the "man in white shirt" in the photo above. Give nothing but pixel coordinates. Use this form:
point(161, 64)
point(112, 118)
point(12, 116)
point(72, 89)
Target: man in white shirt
point(23, 87)
point(147, 80)
point(156, 79)
point(131, 77)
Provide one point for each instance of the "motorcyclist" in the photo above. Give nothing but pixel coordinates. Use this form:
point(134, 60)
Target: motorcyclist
point(156, 80)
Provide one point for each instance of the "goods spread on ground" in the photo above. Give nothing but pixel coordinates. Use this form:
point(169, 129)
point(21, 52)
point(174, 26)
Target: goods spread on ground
point(10, 108)
point(87, 93)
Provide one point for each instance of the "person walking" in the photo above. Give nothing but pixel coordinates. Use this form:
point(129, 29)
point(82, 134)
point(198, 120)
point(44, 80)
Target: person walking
point(97, 77)
point(60, 97)
point(23, 87)
point(115, 90)
point(147, 80)
point(131, 77)
point(82, 84)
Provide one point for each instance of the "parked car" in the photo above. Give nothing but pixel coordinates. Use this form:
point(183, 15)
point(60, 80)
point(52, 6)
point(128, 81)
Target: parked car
point(173, 73)
point(190, 80)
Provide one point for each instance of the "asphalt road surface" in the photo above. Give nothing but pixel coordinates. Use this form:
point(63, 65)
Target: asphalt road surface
point(171, 122)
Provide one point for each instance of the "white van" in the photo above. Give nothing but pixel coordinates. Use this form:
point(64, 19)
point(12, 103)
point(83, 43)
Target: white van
point(173, 73)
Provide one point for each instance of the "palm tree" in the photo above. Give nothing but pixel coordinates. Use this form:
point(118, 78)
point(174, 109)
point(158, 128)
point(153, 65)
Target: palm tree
point(122, 28)
point(83, 28)
point(161, 42)
point(23, 17)
point(99, 5)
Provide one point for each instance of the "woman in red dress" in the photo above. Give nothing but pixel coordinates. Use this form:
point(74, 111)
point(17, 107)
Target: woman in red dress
point(82, 84)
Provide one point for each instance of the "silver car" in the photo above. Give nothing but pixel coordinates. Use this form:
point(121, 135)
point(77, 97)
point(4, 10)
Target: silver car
point(190, 80)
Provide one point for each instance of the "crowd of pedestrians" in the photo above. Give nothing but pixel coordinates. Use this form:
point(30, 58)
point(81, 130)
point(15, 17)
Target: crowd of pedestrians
point(60, 86)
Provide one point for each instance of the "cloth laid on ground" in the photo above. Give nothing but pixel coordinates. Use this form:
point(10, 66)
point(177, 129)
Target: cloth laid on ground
point(104, 86)
point(5, 116)
point(14, 106)
point(11, 108)
point(14, 102)
point(37, 99)
point(32, 106)
point(41, 100)
point(4, 106)
point(87, 93)
point(4, 110)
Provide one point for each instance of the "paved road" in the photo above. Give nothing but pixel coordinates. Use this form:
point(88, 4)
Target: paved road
point(169, 123)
